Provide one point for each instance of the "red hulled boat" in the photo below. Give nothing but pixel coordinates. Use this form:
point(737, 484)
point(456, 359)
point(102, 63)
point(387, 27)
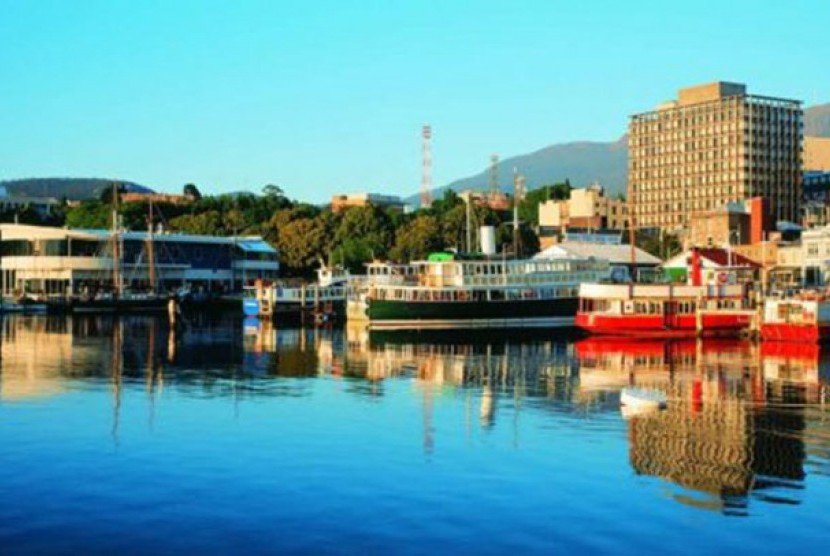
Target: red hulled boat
point(717, 308)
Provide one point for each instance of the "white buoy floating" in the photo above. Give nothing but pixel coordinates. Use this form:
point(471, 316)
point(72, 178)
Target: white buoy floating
point(641, 400)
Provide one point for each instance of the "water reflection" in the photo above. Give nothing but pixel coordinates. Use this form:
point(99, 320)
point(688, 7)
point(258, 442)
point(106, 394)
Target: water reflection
point(744, 422)
point(736, 425)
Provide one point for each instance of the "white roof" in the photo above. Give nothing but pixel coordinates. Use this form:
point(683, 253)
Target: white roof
point(614, 253)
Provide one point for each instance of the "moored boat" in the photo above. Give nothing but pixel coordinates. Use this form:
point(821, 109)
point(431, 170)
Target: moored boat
point(325, 300)
point(804, 318)
point(451, 291)
point(663, 310)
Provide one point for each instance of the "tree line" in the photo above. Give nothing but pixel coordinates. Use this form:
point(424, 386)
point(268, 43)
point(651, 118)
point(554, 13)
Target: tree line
point(307, 234)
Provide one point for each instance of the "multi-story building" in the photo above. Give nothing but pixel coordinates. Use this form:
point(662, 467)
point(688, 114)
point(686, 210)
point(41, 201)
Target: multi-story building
point(586, 209)
point(714, 144)
point(340, 203)
point(817, 154)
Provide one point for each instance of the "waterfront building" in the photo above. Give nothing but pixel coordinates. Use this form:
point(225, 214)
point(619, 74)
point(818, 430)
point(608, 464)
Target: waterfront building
point(718, 265)
point(618, 256)
point(715, 144)
point(586, 209)
point(340, 203)
point(60, 261)
point(743, 222)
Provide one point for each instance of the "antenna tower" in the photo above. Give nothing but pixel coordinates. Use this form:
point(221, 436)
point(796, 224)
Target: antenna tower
point(494, 174)
point(426, 168)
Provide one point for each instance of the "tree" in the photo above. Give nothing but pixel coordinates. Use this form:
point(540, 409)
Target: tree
point(234, 222)
point(368, 223)
point(302, 243)
point(417, 239)
point(106, 193)
point(205, 223)
point(89, 214)
point(449, 201)
point(190, 190)
point(273, 191)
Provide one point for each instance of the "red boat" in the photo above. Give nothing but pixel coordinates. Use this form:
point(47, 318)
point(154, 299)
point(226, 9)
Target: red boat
point(802, 319)
point(718, 308)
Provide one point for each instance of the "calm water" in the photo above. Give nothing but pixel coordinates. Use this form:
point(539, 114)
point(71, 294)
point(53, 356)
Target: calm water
point(117, 436)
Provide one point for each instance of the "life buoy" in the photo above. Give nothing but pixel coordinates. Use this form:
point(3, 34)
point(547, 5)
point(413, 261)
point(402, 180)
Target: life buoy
point(722, 278)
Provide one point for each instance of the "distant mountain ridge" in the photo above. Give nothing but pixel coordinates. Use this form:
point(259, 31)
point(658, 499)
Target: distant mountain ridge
point(817, 120)
point(585, 162)
point(75, 189)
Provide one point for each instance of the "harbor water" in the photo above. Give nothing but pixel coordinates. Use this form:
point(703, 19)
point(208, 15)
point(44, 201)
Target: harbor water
point(230, 435)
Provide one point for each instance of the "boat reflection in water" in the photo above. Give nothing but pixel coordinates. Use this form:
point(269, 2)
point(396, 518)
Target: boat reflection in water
point(737, 423)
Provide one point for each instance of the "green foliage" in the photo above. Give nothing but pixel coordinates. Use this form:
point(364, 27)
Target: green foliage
point(660, 244)
point(89, 214)
point(369, 224)
point(417, 239)
point(302, 243)
point(529, 206)
point(190, 190)
point(206, 223)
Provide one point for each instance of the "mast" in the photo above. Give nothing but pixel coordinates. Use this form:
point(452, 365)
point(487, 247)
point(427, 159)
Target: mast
point(151, 253)
point(116, 247)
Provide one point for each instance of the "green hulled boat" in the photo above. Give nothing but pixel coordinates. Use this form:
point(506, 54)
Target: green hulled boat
point(447, 291)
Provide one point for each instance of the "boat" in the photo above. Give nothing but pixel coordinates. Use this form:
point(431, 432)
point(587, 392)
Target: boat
point(663, 310)
point(324, 300)
point(643, 398)
point(802, 318)
point(710, 306)
point(119, 298)
point(449, 290)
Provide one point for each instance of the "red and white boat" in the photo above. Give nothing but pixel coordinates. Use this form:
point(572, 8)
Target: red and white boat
point(662, 310)
point(805, 318)
point(717, 307)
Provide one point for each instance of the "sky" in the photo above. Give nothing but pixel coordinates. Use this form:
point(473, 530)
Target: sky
point(329, 96)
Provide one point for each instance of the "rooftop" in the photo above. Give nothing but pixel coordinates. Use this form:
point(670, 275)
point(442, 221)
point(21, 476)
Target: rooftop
point(615, 253)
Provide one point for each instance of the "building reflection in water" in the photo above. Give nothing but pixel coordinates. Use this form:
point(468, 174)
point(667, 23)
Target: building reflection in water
point(735, 427)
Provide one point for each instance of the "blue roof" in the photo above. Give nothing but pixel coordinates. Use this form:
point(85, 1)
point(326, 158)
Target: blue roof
point(255, 246)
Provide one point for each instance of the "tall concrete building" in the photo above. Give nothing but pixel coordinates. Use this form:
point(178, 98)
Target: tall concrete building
point(714, 144)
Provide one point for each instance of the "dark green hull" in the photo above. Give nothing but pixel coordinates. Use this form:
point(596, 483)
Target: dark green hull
point(473, 314)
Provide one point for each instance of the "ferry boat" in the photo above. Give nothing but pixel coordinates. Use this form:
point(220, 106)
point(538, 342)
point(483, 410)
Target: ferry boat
point(452, 291)
point(663, 310)
point(713, 304)
point(325, 300)
point(805, 318)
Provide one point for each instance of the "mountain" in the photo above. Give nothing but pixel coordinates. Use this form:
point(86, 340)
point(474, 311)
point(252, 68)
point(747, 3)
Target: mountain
point(75, 189)
point(581, 162)
point(585, 162)
point(817, 120)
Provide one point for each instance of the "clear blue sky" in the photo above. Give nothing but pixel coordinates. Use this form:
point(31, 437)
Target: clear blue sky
point(325, 96)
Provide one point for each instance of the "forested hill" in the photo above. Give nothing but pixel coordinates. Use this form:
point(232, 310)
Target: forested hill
point(76, 189)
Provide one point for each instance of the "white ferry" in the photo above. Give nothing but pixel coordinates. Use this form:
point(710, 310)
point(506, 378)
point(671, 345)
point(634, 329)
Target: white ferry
point(449, 291)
